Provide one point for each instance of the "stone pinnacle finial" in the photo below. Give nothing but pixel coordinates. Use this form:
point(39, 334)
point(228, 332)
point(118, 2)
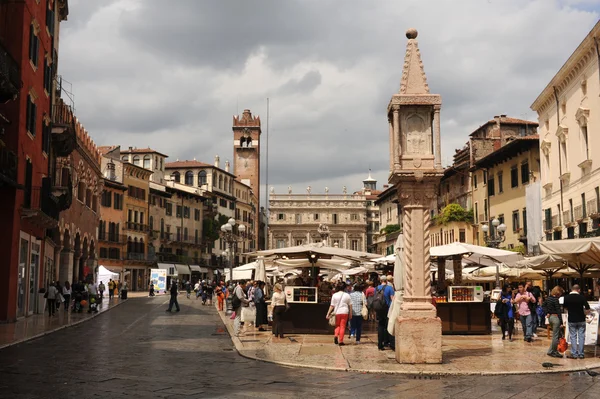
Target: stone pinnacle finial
point(411, 33)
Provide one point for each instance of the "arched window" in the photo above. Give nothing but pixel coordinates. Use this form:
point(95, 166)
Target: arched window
point(135, 245)
point(226, 184)
point(215, 179)
point(221, 182)
point(202, 178)
point(176, 177)
point(147, 161)
point(155, 162)
point(125, 158)
point(189, 178)
point(136, 160)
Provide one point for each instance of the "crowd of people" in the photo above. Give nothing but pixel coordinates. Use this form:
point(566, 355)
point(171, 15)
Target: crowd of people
point(533, 308)
point(80, 295)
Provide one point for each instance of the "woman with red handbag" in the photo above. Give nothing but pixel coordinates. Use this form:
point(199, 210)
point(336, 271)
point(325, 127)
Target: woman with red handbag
point(552, 309)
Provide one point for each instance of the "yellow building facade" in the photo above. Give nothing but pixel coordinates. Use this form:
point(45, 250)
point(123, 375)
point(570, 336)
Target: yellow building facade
point(499, 187)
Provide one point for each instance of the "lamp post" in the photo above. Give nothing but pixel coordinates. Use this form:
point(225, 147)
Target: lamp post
point(231, 238)
point(494, 239)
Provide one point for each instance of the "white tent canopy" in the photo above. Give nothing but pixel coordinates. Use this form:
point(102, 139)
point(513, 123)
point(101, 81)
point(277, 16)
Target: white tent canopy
point(477, 254)
point(317, 249)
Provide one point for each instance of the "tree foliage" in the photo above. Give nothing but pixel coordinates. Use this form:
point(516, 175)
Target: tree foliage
point(453, 213)
point(391, 228)
point(211, 227)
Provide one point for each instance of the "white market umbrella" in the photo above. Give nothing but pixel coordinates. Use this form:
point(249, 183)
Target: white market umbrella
point(581, 254)
point(476, 253)
point(319, 250)
point(260, 272)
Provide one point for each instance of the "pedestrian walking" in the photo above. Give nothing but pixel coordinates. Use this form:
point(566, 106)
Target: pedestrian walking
point(173, 300)
point(577, 306)
point(505, 312)
point(209, 294)
point(384, 295)
point(523, 299)
point(249, 312)
point(66, 291)
point(111, 289)
point(220, 296)
point(51, 296)
point(340, 308)
point(279, 306)
point(101, 289)
point(358, 300)
point(370, 295)
point(262, 318)
point(188, 288)
point(237, 301)
point(537, 294)
point(552, 309)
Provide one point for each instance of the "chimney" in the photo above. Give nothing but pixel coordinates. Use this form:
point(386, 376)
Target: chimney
point(386, 186)
point(226, 166)
point(217, 161)
point(130, 148)
point(502, 116)
point(110, 168)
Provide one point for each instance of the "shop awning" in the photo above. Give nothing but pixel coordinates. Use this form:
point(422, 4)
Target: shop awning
point(195, 268)
point(203, 269)
point(182, 269)
point(165, 265)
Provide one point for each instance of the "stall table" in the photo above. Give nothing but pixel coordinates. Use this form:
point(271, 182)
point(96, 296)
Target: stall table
point(306, 314)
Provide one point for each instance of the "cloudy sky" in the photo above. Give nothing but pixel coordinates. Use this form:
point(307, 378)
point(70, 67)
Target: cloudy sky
point(170, 74)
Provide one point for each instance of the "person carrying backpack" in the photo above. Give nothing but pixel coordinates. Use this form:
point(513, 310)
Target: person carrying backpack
point(384, 295)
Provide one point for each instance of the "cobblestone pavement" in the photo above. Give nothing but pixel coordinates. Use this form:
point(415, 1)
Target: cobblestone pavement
point(137, 350)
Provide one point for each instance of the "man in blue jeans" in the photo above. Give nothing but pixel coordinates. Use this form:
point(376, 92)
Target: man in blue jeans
point(577, 307)
point(523, 299)
point(383, 337)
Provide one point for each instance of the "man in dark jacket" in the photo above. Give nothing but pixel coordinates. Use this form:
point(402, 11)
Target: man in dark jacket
point(173, 300)
point(577, 306)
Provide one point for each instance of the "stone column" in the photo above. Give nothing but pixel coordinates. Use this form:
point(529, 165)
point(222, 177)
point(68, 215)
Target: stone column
point(418, 329)
point(392, 146)
point(308, 237)
point(457, 267)
point(436, 132)
point(56, 275)
point(397, 138)
point(65, 272)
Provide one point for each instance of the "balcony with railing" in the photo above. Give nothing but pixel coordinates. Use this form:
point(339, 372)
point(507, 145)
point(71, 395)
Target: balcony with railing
point(112, 238)
point(140, 257)
point(39, 208)
point(64, 137)
point(10, 76)
point(166, 237)
point(143, 228)
point(8, 168)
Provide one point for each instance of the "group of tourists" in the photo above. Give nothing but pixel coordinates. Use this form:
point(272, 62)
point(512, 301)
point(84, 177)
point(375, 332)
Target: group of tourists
point(74, 297)
point(531, 307)
point(250, 307)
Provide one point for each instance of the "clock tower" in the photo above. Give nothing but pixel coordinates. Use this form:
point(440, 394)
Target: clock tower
point(246, 150)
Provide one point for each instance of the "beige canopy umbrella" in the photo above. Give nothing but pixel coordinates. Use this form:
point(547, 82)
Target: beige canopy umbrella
point(581, 254)
point(315, 250)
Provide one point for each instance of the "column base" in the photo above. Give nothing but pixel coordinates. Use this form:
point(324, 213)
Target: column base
point(419, 340)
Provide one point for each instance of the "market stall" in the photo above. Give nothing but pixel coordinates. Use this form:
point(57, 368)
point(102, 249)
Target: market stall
point(308, 295)
point(463, 311)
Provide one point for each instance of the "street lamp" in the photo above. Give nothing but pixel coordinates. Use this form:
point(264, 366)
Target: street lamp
point(231, 238)
point(494, 239)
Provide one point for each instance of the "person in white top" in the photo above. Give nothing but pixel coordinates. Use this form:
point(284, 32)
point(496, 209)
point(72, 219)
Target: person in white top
point(341, 306)
point(279, 306)
point(67, 294)
point(51, 296)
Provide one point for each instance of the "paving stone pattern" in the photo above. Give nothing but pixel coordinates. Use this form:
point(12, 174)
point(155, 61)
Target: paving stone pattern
point(137, 350)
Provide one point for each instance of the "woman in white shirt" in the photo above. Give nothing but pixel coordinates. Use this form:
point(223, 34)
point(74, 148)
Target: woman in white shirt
point(67, 294)
point(278, 302)
point(341, 307)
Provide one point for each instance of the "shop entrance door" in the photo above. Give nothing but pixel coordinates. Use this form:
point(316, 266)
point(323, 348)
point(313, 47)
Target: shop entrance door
point(23, 256)
point(34, 267)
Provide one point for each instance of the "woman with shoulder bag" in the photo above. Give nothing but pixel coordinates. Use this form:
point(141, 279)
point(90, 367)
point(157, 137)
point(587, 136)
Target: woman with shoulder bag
point(279, 307)
point(340, 308)
point(505, 312)
point(552, 309)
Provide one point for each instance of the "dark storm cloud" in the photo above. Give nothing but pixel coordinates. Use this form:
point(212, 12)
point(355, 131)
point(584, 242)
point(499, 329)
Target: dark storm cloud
point(170, 74)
